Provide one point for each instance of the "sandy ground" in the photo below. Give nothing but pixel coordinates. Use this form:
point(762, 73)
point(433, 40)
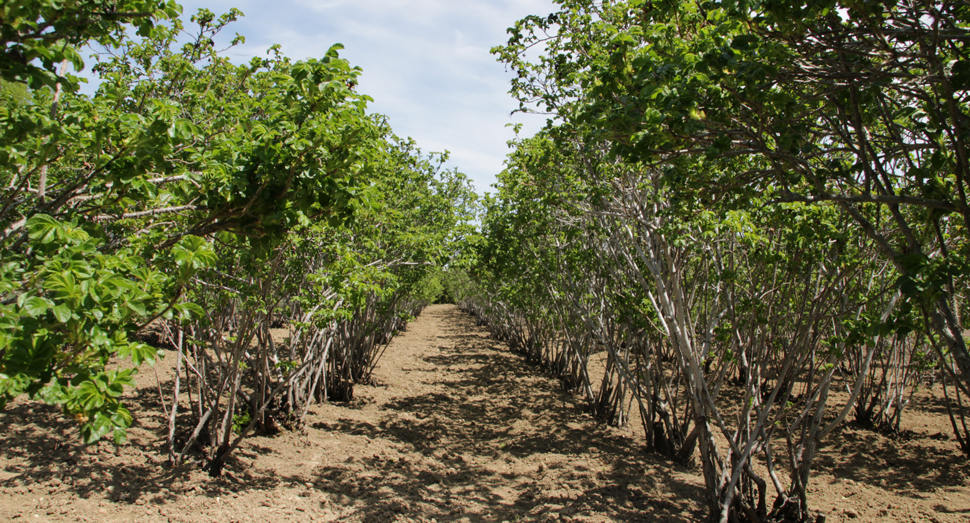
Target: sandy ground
point(455, 428)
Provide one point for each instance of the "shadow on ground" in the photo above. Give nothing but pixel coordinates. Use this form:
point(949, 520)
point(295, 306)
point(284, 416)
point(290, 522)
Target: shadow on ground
point(500, 442)
point(44, 453)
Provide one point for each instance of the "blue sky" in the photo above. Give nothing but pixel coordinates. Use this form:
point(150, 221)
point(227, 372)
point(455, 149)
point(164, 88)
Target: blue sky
point(426, 64)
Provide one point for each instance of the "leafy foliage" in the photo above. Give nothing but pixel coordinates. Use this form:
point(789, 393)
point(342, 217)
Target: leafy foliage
point(187, 183)
point(768, 190)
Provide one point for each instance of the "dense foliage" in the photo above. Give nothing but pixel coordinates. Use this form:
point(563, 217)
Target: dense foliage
point(740, 206)
point(736, 210)
point(196, 204)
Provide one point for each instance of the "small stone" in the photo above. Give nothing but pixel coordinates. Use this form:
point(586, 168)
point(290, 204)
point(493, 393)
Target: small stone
point(851, 513)
point(140, 501)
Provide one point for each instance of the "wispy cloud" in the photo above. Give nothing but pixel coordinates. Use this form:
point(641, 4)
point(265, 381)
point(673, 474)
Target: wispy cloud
point(426, 64)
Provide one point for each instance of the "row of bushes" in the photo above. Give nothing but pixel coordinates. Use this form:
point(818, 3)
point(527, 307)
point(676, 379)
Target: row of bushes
point(203, 204)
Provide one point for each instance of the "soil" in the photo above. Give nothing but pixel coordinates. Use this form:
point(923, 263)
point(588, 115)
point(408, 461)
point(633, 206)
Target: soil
point(455, 428)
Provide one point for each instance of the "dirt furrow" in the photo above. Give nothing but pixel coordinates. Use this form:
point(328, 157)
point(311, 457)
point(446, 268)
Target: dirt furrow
point(454, 428)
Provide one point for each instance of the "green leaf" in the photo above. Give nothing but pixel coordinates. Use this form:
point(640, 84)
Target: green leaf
point(89, 397)
point(63, 284)
point(188, 311)
point(62, 313)
point(97, 428)
point(54, 394)
point(42, 228)
point(36, 307)
point(138, 308)
point(139, 353)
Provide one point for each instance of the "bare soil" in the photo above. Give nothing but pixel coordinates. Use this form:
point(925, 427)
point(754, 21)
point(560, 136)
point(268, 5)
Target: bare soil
point(454, 428)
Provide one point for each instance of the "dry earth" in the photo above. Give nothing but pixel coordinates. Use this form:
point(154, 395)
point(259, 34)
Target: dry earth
point(455, 429)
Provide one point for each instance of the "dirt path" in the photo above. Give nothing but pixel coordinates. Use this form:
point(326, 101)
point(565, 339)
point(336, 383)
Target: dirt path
point(462, 429)
point(454, 429)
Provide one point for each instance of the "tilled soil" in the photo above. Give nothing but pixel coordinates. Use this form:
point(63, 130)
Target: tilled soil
point(454, 428)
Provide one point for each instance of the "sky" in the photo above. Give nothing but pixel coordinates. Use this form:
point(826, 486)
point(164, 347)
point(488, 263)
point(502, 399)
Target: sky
point(426, 63)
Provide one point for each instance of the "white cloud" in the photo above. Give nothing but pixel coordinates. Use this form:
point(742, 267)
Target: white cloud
point(426, 63)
